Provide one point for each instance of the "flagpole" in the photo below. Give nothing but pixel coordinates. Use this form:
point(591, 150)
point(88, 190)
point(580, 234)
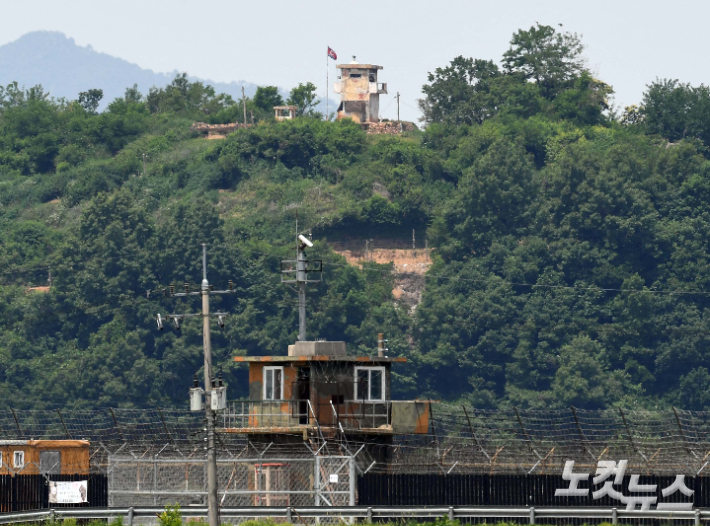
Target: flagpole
point(327, 82)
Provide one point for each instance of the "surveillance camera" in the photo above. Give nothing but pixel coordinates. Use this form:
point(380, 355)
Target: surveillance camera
point(305, 241)
point(176, 321)
point(159, 322)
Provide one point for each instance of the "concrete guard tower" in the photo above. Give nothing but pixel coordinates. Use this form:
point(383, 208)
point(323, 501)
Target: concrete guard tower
point(359, 92)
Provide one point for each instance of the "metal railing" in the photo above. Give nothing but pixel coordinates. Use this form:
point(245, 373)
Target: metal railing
point(266, 413)
point(350, 414)
point(528, 514)
point(361, 414)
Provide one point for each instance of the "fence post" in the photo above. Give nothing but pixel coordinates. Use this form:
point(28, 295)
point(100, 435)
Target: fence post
point(353, 479)
point(288, 515)
point(614, 517)
point(532, 515)
point(316, 478)
point(697, 517)
point(52, 516)
point(155, 479)
point(130, 516)
point(369, 515)
point(451, 513)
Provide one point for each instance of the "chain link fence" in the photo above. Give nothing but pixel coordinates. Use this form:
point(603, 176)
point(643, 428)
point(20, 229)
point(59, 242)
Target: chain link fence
point(259, 480)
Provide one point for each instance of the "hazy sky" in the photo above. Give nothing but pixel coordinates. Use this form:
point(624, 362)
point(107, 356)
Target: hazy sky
point(280, 42)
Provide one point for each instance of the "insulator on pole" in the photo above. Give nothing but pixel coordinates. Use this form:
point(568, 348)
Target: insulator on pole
point(187, 287)
point(231, 285)
point(172, 289)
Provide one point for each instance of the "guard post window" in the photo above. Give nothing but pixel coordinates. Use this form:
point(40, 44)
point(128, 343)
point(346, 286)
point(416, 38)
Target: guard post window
point(273, 383)
point(370, 384)
point(18, 460)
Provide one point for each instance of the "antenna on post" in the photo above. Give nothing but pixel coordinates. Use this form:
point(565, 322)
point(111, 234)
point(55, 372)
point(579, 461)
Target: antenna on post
point(301, 267)
point(204, 263)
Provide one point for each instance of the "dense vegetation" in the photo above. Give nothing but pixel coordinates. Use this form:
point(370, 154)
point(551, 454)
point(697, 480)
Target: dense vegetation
point(571, 239)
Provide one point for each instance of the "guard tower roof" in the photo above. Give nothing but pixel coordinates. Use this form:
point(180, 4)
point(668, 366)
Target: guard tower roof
point(358, 66)
point(320, 358)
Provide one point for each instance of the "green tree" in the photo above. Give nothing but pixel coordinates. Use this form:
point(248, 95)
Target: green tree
point(267, 97)
point(553, 59)
point(695, 389)
point(461, 93)
point(89, 100)
point(305, 99)
point(675, 110)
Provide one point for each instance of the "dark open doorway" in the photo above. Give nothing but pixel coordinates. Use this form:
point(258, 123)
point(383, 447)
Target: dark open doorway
point(303, 393)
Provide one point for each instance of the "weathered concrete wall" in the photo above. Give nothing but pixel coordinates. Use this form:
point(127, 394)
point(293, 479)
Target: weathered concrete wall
point(388, 128)
point(410, 417)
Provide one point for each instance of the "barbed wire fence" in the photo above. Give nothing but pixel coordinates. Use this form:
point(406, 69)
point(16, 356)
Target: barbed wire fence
point(461, 439)
point(157, 457)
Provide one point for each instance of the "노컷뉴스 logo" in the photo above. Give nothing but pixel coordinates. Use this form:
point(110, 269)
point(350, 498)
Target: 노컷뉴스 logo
point(610, 474)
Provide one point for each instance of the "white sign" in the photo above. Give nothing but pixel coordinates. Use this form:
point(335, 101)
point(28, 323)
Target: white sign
point(610, 474)
point(67, 492)
point(334, 478)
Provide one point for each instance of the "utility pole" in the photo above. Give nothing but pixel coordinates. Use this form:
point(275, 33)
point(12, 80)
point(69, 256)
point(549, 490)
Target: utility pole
point(303, 268)
point(398, 106)
point(144, 156)
point(212, 502)
point(244, 103)
point(215, 396)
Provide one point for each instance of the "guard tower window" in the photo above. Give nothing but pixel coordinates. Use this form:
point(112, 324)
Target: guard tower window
point(18, 459)
point(370, 384)
point(355, 75)
point(373, 78)
point(273, 383)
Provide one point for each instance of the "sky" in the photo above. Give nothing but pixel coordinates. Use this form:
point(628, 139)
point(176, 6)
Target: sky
point(628, 43)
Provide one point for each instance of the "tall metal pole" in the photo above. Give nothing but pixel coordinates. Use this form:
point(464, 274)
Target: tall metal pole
point(212, 502)
point(301, 279)
point(327, 82)
point(398, 106)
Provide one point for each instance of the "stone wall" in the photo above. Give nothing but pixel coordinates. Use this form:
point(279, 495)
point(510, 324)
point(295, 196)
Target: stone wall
point(388, 127)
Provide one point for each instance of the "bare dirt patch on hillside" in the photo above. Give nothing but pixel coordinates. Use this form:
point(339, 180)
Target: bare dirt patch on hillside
point(409, 265)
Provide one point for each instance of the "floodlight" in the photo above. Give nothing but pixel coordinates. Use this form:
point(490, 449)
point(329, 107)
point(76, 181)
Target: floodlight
point(159, 322)
point(176, 321)
point(220, 320)
point(305, 241)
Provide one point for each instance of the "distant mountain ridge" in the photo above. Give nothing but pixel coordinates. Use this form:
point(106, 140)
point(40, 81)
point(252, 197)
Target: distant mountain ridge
point(64, 69)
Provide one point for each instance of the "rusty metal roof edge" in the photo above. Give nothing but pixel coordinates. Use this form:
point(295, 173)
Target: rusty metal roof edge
point(320, 358)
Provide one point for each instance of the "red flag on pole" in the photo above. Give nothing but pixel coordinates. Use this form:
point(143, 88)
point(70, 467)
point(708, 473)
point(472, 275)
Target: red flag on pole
point(332, 54)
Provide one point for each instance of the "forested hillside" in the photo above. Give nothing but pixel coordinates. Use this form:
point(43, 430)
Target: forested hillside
point(570, 238)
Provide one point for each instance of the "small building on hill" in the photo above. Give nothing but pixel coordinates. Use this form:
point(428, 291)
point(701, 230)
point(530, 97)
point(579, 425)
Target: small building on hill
point(285, 113)
point(359, 92)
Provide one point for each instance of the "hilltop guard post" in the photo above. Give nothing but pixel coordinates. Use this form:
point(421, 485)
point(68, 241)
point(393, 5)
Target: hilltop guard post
point(359, 92)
